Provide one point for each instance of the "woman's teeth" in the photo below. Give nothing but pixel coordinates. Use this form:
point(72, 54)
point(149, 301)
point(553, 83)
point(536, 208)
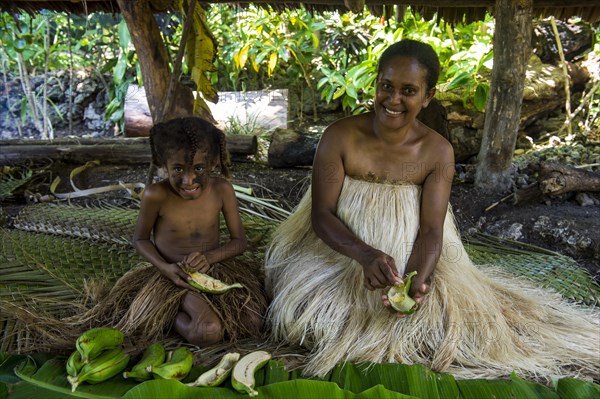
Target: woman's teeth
point(389, 111)
point(190, 190)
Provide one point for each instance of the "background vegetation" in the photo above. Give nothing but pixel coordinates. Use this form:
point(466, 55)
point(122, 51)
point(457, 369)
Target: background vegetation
point(323, 56)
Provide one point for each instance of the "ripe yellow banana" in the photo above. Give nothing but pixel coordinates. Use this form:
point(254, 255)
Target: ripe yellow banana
point(176, 368)
point(93, 342)
point(242, 377)
point(74, 363)
point(108, 364)
point(153, 356)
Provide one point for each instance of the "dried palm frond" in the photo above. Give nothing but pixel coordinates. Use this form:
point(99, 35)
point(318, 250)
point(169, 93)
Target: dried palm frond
point(546, 268)
point(11, 179)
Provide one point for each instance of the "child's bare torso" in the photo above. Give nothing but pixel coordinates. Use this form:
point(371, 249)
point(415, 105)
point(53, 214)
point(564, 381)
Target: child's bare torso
point(185, 226)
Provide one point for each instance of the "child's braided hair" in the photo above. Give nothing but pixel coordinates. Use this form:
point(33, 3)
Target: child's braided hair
point(189, 134)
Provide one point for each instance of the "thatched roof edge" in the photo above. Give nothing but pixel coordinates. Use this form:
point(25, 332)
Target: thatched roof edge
point(451, 11)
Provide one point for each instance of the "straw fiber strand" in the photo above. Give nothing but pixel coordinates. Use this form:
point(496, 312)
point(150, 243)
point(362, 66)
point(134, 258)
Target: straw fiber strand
point(476, 321)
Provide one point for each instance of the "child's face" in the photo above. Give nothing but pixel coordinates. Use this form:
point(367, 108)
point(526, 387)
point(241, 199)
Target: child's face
point(187, 180)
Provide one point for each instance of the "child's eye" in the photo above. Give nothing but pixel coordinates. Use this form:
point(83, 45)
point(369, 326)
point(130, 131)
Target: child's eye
point(409, 91)
point(199, 168)
point(178, 169)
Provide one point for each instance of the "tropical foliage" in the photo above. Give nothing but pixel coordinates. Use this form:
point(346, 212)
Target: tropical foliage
point(45, 376)
point(327, 55)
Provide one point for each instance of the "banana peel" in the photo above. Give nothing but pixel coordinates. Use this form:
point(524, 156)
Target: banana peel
point(218, 374)
point(398, 296)
point(242, 376)
point(205, 283)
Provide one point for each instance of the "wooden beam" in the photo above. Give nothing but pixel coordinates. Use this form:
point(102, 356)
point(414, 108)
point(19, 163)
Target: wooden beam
point(128, 151)
point(426, 3)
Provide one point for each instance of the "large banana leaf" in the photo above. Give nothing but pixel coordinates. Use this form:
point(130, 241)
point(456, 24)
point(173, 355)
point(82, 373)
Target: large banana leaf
point(274, 381)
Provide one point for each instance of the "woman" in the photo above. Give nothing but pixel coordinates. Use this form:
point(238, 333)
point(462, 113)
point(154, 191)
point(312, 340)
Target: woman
point(378, 210)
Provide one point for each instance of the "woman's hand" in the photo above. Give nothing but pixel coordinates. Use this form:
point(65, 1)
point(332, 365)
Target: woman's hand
point(196, 262)
point(380, 271)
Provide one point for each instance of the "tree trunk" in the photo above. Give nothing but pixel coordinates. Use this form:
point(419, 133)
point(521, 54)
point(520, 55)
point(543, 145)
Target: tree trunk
point(512, 48)
point(154, 62)
point(289, 149)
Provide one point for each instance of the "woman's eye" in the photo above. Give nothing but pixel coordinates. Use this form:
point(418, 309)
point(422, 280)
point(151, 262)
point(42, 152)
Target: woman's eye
point(409, 91)
point(178, 169)
point(199, 168)
point(386, 86)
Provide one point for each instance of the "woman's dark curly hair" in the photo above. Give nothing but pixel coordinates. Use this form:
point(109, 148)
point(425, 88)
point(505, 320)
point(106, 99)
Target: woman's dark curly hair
point(190, 134)
point(422, 52)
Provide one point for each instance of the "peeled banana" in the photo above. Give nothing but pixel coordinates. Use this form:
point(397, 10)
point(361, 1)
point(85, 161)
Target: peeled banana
point(205, 283)
point(153, 356)
point(398, 296)
point(93, 342)
point(176, 368)
point(218, 374)
point(242, 377)
point(74, 363)
point(108, 364)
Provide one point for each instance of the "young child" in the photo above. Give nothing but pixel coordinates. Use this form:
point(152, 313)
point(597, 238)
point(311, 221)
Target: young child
point(178, 228)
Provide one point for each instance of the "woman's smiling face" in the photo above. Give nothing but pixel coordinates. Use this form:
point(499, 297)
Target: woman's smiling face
point(401, 92)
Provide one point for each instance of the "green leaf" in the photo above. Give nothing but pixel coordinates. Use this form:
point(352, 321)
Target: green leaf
point(275, 371)
point(19, 45)
point(459, 80)
point(569, 388)
point(120, 68)
point(481, 96)
point(50, 382)
point(485, 389)
point(124, 37)
point(7, 366)
point(3, 390)
point(415, 380)
point(351, 91)
point(529, 390)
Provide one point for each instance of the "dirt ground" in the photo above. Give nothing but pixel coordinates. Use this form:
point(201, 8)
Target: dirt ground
point(561, 225)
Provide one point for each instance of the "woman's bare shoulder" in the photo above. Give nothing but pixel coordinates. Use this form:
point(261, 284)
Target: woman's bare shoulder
point(437, 145)
point(346, 129)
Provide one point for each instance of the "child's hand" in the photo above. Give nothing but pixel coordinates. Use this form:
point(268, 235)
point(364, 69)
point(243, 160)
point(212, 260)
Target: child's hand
point(174, 273)
point(196, 262)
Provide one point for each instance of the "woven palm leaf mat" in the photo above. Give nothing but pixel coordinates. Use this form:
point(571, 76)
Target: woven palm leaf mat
point(115, 225)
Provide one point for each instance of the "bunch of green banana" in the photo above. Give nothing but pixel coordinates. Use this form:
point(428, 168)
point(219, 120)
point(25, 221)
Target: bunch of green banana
point(108, 364)
point(177, 367)
point(153, 356)
point(218, 374)
point(242, 377)
point(74, 363)
point(95, 341)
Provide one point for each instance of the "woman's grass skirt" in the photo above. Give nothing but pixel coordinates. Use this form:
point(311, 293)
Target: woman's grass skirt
point(475, 322)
